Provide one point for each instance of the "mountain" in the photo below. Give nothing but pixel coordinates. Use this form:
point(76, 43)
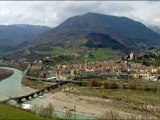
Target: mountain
point(155, 28)
point(12, 35)
point(98, 40)
point(74, 31)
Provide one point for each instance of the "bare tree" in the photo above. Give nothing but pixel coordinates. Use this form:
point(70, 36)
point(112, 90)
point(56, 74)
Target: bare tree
point(68, 114)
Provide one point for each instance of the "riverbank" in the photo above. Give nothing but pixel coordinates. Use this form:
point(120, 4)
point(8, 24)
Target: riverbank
point(63, 103)
point(124, 103)
point(5, 73)
point(74, 99)
point(19, 66)
point(34, 84)
point(125, 99)
point(93, 107)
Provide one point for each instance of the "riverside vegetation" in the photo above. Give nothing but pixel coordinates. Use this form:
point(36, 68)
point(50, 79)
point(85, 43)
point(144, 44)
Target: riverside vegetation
point(4, 73)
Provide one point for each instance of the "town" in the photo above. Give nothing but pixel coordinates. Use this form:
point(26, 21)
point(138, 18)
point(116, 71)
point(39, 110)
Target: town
point(118, 68)
point(134, 74)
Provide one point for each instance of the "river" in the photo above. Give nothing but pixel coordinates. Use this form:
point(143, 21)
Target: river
point(11, 86)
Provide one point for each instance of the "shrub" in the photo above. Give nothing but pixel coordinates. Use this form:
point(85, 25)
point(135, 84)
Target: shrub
point(106, 85)
point(150, 89)
point(68, 114)
point(134, 85)
point(93, 83)
point(110, 115)
point(124, 86)
point(46, 112)
point(113, 85)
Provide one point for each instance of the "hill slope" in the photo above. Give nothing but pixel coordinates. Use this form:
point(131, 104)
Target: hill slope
point(74, 31)
point(11, 35)
point(98, 40)
point(11, 113)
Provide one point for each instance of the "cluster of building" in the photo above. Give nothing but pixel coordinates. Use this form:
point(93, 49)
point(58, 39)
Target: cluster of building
point(115, 67)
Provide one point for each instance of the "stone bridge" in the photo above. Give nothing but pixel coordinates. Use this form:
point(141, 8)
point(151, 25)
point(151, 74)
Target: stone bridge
point(24, 98)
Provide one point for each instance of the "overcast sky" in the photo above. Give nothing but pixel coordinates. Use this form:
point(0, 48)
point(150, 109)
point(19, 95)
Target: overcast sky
point(52, 13)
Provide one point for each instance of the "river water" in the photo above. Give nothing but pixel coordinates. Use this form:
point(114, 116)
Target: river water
point(11, 86)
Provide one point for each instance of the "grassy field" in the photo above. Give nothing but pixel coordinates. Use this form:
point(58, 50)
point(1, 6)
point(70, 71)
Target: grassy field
point(2, 54)
point(126, 90)
point(78, 54)
point(54, 51)
point(126, 96)
point(100, 54)
point(10, 113)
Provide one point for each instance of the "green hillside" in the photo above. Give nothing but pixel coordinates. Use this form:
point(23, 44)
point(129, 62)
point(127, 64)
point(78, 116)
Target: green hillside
point(11, 113)
point(61, 55)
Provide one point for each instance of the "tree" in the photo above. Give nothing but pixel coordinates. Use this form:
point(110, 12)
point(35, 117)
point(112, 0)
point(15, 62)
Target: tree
point(68, 114)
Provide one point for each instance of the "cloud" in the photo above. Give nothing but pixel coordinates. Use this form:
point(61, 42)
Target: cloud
point(52, 13)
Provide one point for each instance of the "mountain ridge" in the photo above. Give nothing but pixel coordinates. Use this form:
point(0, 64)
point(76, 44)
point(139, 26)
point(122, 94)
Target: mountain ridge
point(128, 32)
point(155, 28)
point(12, 35)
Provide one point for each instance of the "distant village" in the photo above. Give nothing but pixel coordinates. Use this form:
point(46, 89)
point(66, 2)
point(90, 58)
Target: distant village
point(123, 68)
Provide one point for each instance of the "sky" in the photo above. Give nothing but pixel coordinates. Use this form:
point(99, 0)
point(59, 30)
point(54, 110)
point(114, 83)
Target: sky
point(52, 13)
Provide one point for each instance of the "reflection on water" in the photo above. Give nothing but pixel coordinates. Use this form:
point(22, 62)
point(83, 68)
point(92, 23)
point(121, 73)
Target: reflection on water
point(11, 86)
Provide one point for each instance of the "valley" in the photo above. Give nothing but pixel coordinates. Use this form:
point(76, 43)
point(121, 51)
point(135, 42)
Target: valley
point(90, 66)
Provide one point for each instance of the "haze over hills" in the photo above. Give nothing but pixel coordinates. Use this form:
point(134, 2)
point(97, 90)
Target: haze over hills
point(12, 35)
point(155, 28)
point(74, 31)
